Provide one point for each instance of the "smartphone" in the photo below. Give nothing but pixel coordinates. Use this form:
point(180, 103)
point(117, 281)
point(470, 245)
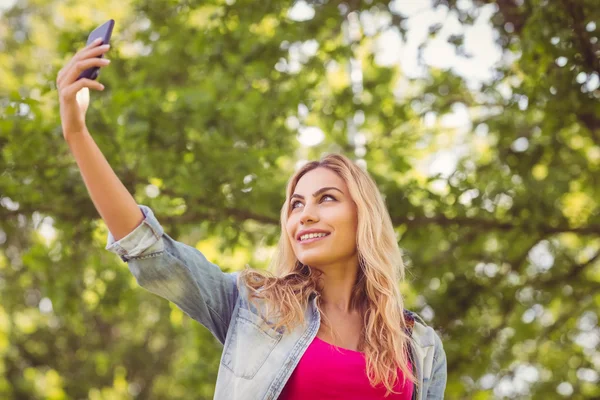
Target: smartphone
point(104, 31)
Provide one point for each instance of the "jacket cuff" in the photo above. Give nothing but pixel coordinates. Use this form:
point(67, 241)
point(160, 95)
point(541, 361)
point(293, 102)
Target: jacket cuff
point(140, 239)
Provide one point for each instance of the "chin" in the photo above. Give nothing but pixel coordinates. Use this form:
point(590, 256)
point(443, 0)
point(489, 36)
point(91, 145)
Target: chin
point(313, 261)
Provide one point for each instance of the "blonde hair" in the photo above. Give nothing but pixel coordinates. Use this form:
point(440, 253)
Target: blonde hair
point(384, 338)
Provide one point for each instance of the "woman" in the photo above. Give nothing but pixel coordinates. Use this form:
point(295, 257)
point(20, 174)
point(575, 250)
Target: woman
point(329, 324)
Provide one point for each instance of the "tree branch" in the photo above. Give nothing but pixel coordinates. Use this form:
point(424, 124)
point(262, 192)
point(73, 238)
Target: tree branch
point(442, 220)
point(575, 271)
point(577, 14)
point(511, 13)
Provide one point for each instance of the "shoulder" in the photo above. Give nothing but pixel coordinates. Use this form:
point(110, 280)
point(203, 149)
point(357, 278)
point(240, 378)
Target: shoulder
point(423, 334)
point(428, 345)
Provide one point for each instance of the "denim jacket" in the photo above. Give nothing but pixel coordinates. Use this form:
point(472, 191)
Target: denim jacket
point(257, 360)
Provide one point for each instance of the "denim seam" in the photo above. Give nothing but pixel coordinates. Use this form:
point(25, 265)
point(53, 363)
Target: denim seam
point(152, 255)
point(301, 345)
point(261, 329)
point(156, 234)
point(215, 313)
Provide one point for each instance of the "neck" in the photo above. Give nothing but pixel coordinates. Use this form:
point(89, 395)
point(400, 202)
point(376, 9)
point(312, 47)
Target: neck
point(338, 283)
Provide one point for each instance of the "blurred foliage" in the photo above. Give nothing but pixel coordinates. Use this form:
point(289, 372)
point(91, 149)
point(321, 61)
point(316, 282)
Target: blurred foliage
point(200, 120)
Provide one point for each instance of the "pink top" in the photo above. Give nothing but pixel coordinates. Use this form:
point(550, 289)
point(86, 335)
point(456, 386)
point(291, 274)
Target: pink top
point(327, 372)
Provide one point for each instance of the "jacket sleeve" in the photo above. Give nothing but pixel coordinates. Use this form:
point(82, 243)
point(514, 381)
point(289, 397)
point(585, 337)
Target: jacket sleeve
point(439, 373)
point(178, 273)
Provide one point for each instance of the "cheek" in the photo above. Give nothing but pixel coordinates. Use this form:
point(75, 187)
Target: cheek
point(346, 217)
point(346, 223)
point(289, 229)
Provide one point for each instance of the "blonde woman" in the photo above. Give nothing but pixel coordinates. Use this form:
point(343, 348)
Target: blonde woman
point(329, 323)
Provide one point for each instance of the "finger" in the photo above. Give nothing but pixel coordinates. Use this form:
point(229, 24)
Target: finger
point(72, 74)
point(82, 55)
point(71, 90)
point(59, 76)
point(93, 52)
point(94, 43)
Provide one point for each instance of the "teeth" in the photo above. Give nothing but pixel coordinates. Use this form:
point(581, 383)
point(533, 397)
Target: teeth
point(312, 235)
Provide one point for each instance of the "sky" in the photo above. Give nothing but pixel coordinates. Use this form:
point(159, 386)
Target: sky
point(6, 4)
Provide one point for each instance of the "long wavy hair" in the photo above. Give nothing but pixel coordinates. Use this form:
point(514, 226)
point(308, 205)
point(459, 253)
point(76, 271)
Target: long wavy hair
point(384, 338)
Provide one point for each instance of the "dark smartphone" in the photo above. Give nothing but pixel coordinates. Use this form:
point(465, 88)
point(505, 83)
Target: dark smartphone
point(104, 31)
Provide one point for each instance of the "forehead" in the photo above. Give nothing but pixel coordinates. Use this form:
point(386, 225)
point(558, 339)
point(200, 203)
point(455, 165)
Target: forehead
point(318, 178)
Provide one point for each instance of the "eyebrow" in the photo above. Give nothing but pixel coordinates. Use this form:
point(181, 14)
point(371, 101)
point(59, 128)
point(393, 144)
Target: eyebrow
point(318, 192)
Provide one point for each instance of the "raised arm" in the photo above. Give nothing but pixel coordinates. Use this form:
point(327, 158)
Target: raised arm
point(114, 203)
point(166, 267)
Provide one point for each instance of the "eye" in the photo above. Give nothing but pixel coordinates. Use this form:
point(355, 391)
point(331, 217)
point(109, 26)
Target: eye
point(294, 203)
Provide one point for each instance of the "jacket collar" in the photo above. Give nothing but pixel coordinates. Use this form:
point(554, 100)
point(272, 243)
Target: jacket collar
point(409, 320)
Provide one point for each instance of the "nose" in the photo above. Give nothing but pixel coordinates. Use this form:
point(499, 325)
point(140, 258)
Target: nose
point(309, 215)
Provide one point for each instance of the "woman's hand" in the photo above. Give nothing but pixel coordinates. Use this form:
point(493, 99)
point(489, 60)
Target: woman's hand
point(74, 94)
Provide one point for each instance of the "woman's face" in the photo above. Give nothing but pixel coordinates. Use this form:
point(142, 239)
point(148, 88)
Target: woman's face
point(322, 220)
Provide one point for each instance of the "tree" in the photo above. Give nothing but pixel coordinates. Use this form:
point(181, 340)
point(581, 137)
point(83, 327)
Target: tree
point(200, 119)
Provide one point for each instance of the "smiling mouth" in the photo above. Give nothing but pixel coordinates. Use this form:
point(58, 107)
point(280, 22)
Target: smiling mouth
point(313, 238)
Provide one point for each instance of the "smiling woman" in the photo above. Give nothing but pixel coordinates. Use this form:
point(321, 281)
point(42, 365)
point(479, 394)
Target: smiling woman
point(329, 323)
point(338, 255)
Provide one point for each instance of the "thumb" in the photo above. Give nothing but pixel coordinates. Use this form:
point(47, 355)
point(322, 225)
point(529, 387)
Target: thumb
point(83, 97)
